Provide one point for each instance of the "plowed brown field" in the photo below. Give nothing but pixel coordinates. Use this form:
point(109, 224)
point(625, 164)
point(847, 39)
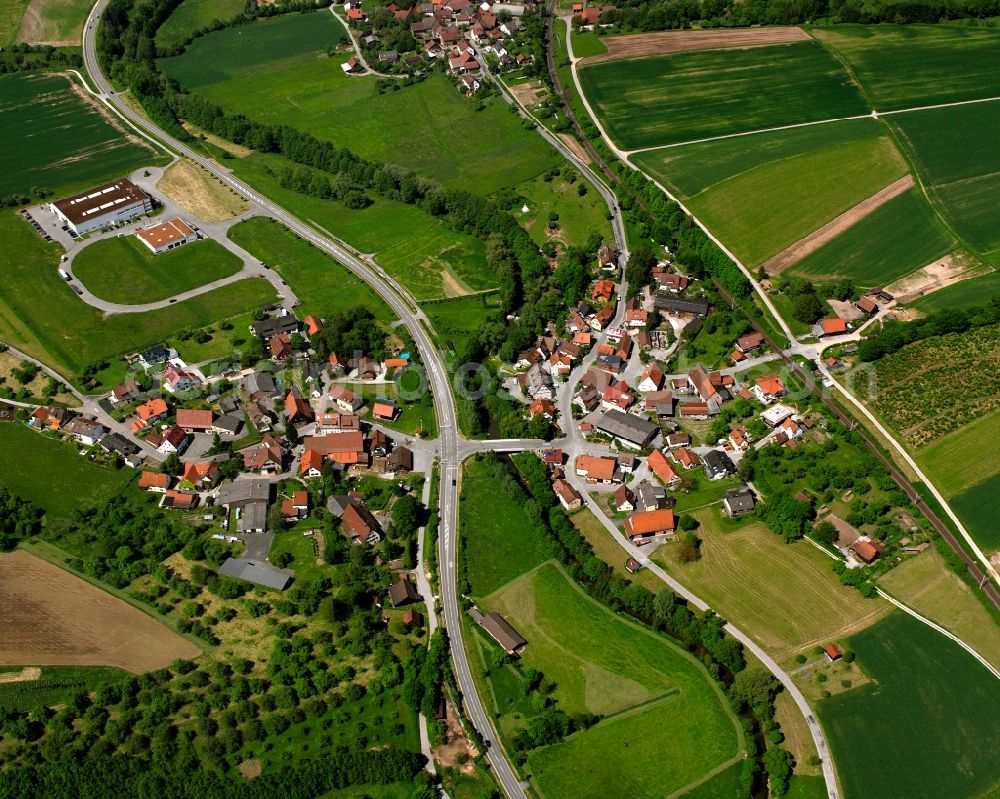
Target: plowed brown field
point(642, 44)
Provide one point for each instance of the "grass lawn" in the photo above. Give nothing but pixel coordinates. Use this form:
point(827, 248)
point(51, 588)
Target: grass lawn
point(302, 549)
point(67, 334)
point(428, 258)
point(415, 414)
point(456, 320)
point(962, 458)
point(664, 705)
point(277, 71)
point(86, 151)
point(692, 168)
point(765, 209)
point(803, 787)
point(901, 66)
point(898, 238)
point(498, 541)
point(588, 44)
point(750, 576)
point(936, 705)
point(724, 785)
point(56, 686)
point(979, 508)
point(688, 96)
point(927, 585)
point(33, 463)
point(11, 13)
point(954, 150)
point(323, 285)
point(194, 15)
point(578, 216)
point(124, 270)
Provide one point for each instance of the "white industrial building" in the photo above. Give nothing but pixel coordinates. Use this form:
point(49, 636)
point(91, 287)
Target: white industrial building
point(110, 204)
point(167, 235)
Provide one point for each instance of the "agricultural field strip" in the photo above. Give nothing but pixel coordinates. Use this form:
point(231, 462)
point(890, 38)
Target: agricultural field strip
point(803, 247)
point(875, 114)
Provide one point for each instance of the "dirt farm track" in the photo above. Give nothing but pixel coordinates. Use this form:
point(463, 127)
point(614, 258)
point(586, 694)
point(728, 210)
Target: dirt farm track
point(53, 618)
point(643, 44)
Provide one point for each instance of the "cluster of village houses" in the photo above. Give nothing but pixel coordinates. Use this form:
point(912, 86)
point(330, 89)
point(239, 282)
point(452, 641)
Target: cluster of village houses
point(456, 32)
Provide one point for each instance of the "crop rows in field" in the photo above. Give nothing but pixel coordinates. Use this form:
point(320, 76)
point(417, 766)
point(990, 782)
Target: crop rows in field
point(62, 141)
point(935, 386)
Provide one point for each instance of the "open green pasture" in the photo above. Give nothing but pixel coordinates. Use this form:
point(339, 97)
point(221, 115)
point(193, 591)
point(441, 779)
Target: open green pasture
point(457, 319)
point(588, 43)
point(58, 141)
point(962, 458)
point(55, 22)
point(578, 216)
point(760, 212)
point(979, 508)
point(690, 169)
point(322, 285)
point(26, 455)
point(277, 71)
point(124, 270)
point(68, 334)
point(899, 237)
point(955, 152)
point(11, 13)
point(748, 573)
point(688, 96)
point(657, 700)
point(416, 249)
point(194, 15)
point(498, 540)
point(931, 704)
point(902, 66)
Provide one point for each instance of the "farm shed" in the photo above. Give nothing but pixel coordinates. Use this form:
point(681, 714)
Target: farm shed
point(259, 573)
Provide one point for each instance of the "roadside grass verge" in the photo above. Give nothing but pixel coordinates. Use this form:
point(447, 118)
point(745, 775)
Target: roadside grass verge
point(323, 285)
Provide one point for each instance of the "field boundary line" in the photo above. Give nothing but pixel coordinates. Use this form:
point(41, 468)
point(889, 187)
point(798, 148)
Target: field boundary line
point(917, 615)
point(630, 153)
point(110, 106)
point(935, 106)
point(824, 234)
point(686, 789)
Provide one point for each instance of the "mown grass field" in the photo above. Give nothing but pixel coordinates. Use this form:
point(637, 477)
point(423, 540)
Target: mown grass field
point(668, 707)
point(936, 705)
point(588, 44)
point(688, 96)
point(55, 22)
point(979, 508)
point(395, 233)
point(691, 169)
point(762, 211)
point(749, 575)
point(322, 285)
point(277, 71)
point(455, 320)
point(25, 455)
point(926, 584)
point(902, 66)
point(124, 270)
point(955, 153)
point(578, 216)
point(898, 238)
point(58, 141)
point(68, 334)
point(194, 15)
point(498, 541)
point(961, 458)
point(11, 13)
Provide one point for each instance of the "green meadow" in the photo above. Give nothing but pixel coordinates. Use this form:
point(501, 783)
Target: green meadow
point(277, 71)
point(194, 15)
point(688, 96)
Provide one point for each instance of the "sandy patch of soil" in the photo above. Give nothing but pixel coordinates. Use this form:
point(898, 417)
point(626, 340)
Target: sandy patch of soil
point(456, 751)
point(943, 272)
point(27, 674)
point(453, 287)
point(643, 44)
point(250, 768)
point(37, 26)
point(527, 93)
point(845, 310)
point(829, 231)
point(200, 193)
point(578, 149)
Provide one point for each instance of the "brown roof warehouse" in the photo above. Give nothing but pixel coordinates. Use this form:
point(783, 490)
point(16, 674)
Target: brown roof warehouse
point(111, 204)
point(166, 235)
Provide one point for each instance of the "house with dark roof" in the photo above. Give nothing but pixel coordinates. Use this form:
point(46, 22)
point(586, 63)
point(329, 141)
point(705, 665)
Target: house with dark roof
point(403, 592)
point(631, 430)
point(738, 501)
point(718, 464)
point(500, 630)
